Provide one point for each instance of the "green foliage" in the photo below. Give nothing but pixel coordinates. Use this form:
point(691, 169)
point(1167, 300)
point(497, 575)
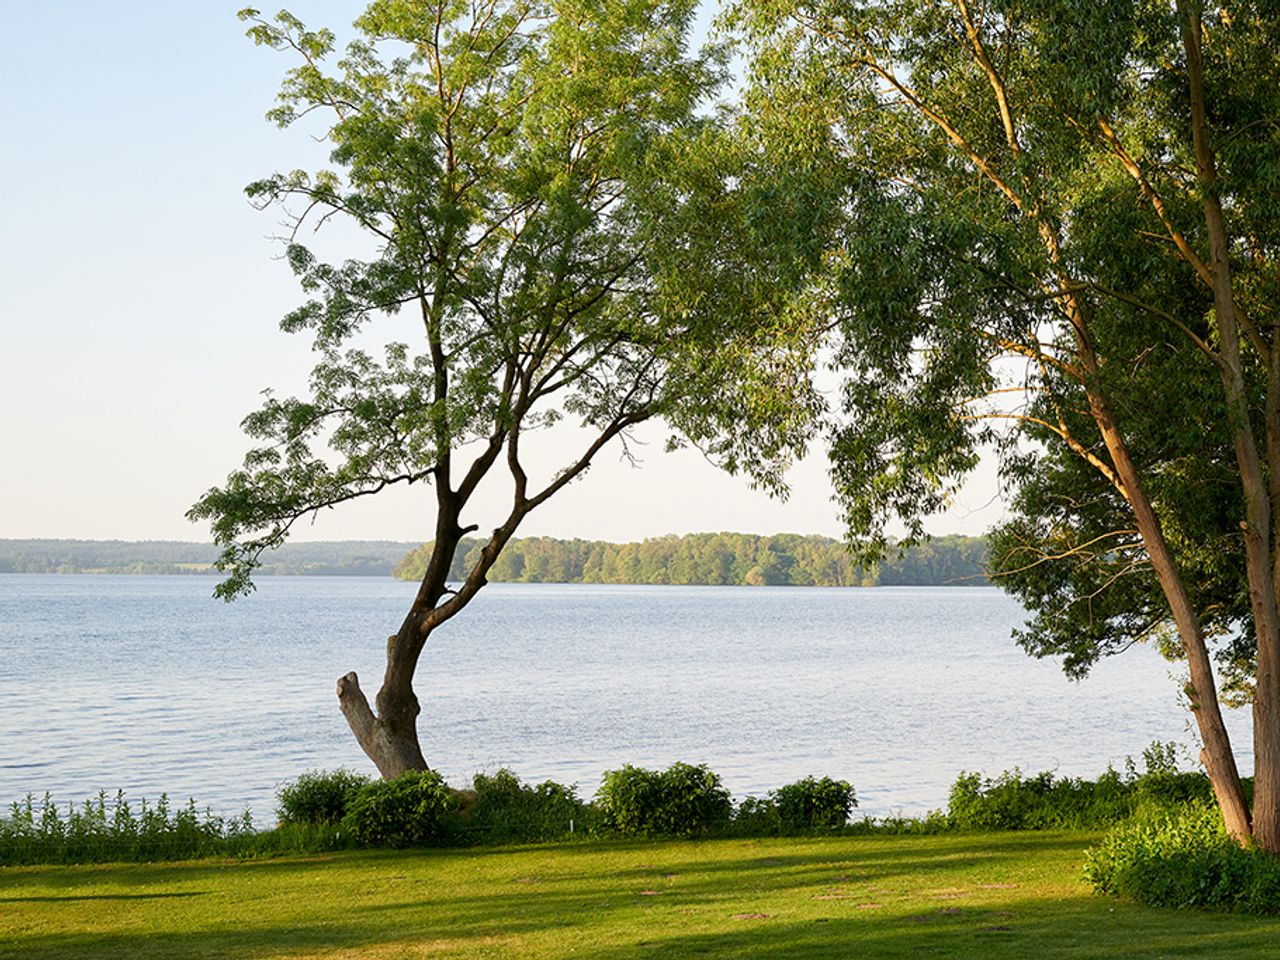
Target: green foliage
point(534, 181)
point(1184, 858)
point(499, 808)
point(1042, 802)
point(756, 817)
point(713, 558)
point(681, 800)
point(288, 839)
point(1013, 801)
point(815, 802)
point(1024, 246)
point(805, 806)
point(932, 823)
point(408, 811)
point(100, 830)
point(318, 797)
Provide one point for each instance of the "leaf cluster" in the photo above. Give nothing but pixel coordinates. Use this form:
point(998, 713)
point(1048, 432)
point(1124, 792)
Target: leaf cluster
point(1021, 218)
point(539, 181)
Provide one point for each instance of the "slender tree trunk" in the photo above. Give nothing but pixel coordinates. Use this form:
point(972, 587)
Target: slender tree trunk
point(1257, 526)
point(1217, 755)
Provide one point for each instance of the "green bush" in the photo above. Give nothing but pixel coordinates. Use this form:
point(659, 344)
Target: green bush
point(318, 797)
point(681, 800)
point(1009, 801)
point(1014, 801)
point(756, 817)
point(1184, 858)
point(931, 824)
point(814, 802)
point(501, 809)
point(407, 811)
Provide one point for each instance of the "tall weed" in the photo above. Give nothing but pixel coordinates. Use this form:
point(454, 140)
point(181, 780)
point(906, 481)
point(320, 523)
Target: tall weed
point(100, 830)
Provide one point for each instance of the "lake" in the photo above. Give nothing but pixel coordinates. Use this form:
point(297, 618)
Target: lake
point(147, 684)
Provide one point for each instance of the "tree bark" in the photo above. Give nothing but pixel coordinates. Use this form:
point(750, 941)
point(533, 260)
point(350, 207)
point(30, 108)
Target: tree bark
point(1217, 755)
point(1218, 758)
point(387, 739)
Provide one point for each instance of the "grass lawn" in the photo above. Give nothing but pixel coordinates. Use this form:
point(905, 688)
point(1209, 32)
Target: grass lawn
point(987, 896)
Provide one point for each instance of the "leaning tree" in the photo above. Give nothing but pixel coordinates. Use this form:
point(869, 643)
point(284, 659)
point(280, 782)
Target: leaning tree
point(565, 230)
point(1062, 217)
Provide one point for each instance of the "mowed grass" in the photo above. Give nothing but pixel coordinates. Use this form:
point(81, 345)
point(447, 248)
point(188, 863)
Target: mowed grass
point(987, 896)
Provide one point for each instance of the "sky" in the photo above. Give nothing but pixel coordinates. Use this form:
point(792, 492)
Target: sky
point(141, 294)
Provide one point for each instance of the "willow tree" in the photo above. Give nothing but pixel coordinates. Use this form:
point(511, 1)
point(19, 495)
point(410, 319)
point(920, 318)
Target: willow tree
point(1061, 218)
point(563, 231)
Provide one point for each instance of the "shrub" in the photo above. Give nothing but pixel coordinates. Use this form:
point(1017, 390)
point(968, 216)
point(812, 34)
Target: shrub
point(813, 802)
point(502, 809)
point(756, 817)
point(1013, 801)
point(406, 811)
point(681, 800)
point(1007, 802)
point(630, 798)
point(318, 797)
point(931, 824)
point(1184, 858)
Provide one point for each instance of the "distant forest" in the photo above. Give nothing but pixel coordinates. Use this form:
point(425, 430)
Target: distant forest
point(715, 559)
point(359, 558)
point(700, 558)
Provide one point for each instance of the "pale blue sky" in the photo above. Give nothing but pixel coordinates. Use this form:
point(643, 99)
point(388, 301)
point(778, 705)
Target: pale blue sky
point(140, 295)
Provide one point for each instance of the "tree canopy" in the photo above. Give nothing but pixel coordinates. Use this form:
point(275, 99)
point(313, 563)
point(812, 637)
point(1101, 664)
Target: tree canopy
point(536, 180)
point(1059, 238)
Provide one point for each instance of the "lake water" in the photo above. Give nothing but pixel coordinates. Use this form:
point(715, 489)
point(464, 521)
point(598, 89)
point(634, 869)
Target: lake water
point(148, 684)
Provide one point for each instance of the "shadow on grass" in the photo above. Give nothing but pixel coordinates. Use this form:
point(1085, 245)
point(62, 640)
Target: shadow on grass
point(724, 899)
point(71, 898)
point(1014, 930)
point(1005, 930)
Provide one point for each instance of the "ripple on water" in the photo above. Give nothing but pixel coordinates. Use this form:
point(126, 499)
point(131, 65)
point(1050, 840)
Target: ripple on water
point(160, 688)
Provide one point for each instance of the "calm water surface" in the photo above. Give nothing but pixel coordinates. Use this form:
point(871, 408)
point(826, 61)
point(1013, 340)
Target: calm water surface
point(148, 684)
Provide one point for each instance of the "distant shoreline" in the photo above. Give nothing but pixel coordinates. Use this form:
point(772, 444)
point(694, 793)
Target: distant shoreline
point(361, 558)
point(698, 559)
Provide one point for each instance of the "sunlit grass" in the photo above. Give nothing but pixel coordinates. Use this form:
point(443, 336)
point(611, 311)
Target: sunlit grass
point(998, 895)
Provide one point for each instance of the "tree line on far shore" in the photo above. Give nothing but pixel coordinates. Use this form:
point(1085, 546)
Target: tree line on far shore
point(360, 558)
point(714, 559)
point(699, 558)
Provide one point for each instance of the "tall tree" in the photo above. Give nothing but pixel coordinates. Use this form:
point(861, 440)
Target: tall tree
point(1061, 217)
point(537, 179)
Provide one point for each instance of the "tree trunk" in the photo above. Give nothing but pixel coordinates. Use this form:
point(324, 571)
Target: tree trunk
point(1217, 755)
point(390, 736)
point(1257, 527)
point(390, 739)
